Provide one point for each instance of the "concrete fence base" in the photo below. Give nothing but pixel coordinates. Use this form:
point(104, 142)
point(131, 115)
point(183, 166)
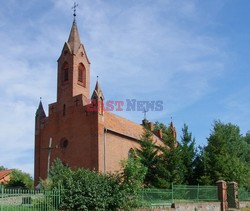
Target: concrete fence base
point(202, 206)
point(244, 204)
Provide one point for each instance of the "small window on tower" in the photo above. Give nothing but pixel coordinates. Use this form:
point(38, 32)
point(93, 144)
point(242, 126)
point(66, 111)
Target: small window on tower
point(81, 75)
point(64, 109)
point(65, 72)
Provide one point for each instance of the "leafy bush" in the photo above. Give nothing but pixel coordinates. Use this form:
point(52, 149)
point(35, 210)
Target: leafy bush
point(83, 189)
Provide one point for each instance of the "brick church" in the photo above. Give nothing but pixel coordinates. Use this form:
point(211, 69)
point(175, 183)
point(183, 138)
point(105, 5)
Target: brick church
point(81, 138)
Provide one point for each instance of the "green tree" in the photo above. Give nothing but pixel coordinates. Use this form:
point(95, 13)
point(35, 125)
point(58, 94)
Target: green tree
point(133, 172)
point(199, 168)
point(172, 158)
point(19, 179)
point(170, 167)
point(2, 168)
point(247, 137)
point(58, 174)
point(225, 155)
point(147, 154)
point(188, 155)
point(247, 140)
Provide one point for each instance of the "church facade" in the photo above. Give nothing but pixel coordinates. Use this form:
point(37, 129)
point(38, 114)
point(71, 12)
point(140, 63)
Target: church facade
point(81, 137)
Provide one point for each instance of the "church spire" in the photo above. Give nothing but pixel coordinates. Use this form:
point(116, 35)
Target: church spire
point(74, 38)
point(73, 68)
point(40, 111)
point(172, 127)
point(97, 94)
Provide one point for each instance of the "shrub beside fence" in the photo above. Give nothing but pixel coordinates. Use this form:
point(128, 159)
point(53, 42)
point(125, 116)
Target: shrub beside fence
point(25, 200)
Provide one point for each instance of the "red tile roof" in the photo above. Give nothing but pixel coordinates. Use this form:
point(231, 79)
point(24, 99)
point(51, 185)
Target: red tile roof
point(126, 127)
point(4, 173)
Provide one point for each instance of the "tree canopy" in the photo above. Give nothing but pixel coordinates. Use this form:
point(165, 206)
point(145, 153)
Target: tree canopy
point(188, 155)
point(226, 154)
point(226, 157)
point(19, 179)
point(147, 154)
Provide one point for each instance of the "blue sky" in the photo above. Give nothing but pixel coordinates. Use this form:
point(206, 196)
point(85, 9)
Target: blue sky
point(193, 55)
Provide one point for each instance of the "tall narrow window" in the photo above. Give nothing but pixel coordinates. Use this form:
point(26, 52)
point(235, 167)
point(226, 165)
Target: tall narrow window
point(64, 109)
point(65, 72)
point(82, 74)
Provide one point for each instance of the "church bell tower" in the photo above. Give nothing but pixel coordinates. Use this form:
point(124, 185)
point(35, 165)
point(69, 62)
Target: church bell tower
point(73, 69)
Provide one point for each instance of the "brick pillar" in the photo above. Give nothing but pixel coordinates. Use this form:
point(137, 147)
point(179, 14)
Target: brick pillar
point(232, 195)
point(222, 194)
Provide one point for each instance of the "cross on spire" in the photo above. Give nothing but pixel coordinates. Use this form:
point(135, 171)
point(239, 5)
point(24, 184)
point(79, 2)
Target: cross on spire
point(74, 8)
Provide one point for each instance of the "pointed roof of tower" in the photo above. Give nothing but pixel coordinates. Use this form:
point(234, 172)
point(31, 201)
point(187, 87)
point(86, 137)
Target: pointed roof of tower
point(98, 91)
point(40, 111)
point(74, 38)
point(172, 127)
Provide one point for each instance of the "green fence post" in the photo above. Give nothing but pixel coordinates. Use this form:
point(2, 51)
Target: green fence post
point(172, 193)
point(198, 193)
point(59, 197)
point(1, 198)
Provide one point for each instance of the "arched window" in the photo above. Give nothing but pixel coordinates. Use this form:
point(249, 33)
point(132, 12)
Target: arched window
point(65, 71)
point(82, 74)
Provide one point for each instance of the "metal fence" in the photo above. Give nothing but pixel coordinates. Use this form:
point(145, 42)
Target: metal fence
point(178, 193)
point(187, 193)
point(156, 198)
point(27, 200)
point(244, 195)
